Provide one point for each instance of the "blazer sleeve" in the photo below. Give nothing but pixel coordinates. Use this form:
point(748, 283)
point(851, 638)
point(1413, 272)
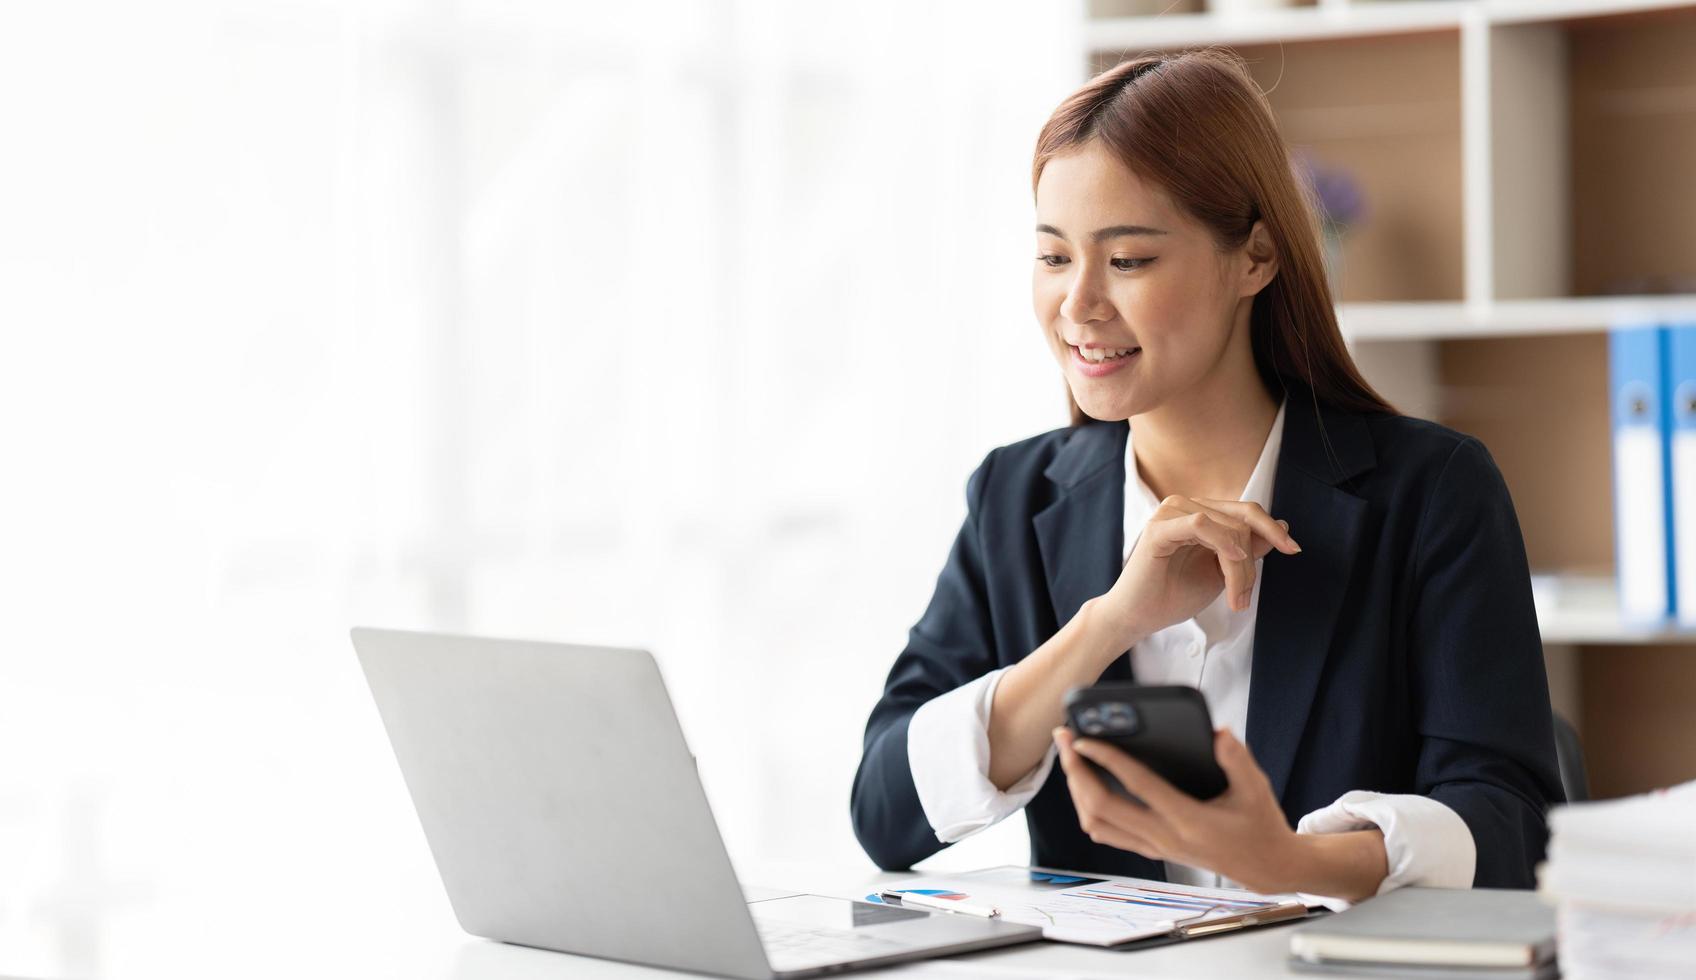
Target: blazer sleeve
point(952, 643)
point(1481, 696)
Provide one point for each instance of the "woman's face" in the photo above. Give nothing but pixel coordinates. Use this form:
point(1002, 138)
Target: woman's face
point(1134, 298)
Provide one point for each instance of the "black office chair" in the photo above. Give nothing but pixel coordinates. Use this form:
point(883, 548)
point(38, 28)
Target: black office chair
point(1569, 755)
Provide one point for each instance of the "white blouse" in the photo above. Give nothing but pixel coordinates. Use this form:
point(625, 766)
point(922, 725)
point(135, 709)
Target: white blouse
point(1426, 842)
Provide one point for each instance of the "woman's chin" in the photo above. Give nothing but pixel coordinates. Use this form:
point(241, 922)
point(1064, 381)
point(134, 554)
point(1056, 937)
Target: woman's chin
point(1104, 406)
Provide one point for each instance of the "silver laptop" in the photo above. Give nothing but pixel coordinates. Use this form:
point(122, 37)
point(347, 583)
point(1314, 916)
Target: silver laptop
point(563, 809)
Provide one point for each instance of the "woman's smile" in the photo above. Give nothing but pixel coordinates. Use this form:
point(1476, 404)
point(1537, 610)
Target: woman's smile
point(1099, 362)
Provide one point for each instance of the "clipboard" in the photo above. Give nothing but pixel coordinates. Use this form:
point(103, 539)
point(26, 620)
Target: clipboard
point(1071, 906)
point(1286, 914)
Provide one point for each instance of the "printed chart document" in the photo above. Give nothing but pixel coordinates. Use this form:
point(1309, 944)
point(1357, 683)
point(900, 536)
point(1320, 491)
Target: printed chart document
point(1097, 910)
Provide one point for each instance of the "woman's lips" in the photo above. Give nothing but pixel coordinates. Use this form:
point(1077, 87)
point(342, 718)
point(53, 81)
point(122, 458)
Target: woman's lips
point(1101, 369)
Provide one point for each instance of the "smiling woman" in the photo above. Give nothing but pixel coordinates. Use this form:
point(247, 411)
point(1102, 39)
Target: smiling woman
point(1379, 687)
point(1223, 217)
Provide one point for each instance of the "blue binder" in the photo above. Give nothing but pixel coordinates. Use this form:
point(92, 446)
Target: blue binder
point(1637, 368)
point(1681, 398)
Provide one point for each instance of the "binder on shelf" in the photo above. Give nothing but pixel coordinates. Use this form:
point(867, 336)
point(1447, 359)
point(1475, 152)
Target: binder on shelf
point(1681, 398)
point(1637, 374)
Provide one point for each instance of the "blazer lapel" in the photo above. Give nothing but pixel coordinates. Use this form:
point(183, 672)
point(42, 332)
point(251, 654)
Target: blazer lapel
point(1301, 595)
point(1081, 536)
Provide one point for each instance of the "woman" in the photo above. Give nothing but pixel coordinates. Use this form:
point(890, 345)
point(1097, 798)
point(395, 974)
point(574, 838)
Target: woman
point(1346, 586)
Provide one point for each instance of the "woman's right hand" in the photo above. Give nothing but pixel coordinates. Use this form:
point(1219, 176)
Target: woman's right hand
point(1189, 551)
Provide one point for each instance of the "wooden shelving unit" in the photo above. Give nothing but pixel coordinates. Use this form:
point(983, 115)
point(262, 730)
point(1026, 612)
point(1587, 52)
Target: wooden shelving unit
point(1529, 170)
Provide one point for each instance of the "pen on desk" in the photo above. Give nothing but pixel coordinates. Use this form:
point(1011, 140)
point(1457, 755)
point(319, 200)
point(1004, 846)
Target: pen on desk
point(923, 901)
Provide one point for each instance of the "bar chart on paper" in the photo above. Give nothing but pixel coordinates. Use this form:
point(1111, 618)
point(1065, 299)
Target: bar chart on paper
point(1097, 911)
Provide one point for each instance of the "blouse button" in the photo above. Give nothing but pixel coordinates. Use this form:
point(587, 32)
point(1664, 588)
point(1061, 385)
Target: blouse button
point(1194, 650)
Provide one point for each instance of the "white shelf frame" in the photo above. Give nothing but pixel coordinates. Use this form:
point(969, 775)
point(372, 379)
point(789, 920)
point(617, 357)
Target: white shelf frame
point(1507, 318)
point(1565, 628)
point(1335, 19)
point(1514, 166)
point(1329, 22)
point(1584, 610)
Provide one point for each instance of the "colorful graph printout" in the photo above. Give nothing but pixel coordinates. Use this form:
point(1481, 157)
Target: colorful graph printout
point(1100, 911)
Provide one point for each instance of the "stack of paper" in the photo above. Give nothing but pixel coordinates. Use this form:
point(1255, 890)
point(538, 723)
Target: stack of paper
point(1623, 876)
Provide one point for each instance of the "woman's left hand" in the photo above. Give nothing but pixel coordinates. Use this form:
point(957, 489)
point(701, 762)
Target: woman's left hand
point(1241, 833)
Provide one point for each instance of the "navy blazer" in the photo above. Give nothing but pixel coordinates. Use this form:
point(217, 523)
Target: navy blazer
point(1397, 652)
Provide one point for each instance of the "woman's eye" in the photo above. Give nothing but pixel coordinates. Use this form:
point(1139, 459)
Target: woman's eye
point(1123, 265)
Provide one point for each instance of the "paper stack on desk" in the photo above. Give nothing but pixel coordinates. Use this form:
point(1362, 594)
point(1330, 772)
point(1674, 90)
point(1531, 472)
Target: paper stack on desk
point(1623, 875)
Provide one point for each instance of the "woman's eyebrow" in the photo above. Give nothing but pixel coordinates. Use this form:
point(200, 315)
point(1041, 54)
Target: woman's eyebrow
point(1103, 234)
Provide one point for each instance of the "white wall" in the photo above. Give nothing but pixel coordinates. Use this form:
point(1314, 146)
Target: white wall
point(672, 324)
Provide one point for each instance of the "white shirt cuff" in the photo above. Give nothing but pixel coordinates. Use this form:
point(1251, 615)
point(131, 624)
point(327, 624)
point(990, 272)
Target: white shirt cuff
point(1425, 842)
point(948, 754)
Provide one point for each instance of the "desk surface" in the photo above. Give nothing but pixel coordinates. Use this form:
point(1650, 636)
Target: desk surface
point(1254, 953)
point(379, 940)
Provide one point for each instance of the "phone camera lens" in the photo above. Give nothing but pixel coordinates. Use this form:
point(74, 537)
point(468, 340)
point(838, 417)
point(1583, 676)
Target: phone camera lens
point(1120, 718)
point(1089, 719)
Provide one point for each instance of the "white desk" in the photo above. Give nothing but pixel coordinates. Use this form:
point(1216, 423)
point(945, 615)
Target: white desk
point(1254, 953)
point(393, 929)
point(1246, 955)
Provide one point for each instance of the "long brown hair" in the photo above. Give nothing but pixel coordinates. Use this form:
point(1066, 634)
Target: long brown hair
point(1198, 126)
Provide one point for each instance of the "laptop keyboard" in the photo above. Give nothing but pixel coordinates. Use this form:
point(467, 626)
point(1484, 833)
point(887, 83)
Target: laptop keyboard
point(789, 945)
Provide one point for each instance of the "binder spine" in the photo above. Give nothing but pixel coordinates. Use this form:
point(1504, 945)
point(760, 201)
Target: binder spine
point(1681, 465)
point(1637, 366)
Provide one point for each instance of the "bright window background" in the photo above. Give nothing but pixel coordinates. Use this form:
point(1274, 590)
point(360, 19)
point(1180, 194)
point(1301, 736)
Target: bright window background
point(670, 324)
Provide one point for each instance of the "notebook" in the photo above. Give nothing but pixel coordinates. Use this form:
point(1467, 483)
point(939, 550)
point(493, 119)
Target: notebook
point(1433, 932)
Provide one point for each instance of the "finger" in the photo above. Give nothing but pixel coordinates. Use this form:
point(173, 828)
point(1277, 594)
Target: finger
point(1178, 506)
point(1064, 738)
point(1088, 788)
point(1173, 505)
point(1113, 835)
point(1275, 532)
point(1090, 797)
point(1237, 565)
point(1197, 528)
point(1238, 762)
point(1253, 542)
point(1161, 797)
point(1103, 815)
point(1130, 825)
point(1239, 582)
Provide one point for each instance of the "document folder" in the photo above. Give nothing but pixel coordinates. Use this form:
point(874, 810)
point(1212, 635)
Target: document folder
point(1637, 364)
point(1681, 397)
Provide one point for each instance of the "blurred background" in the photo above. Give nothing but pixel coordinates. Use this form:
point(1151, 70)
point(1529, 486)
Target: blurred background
point(676, 325)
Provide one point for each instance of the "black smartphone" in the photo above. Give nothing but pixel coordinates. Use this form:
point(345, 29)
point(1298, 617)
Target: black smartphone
point(1166, 728)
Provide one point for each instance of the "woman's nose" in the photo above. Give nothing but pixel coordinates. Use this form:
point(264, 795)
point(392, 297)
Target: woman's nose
point(1085, 301)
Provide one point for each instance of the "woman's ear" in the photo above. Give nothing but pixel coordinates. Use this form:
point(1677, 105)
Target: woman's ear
point(1261, 260)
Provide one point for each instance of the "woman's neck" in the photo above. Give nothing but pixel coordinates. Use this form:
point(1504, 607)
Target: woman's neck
point(1204, 443)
